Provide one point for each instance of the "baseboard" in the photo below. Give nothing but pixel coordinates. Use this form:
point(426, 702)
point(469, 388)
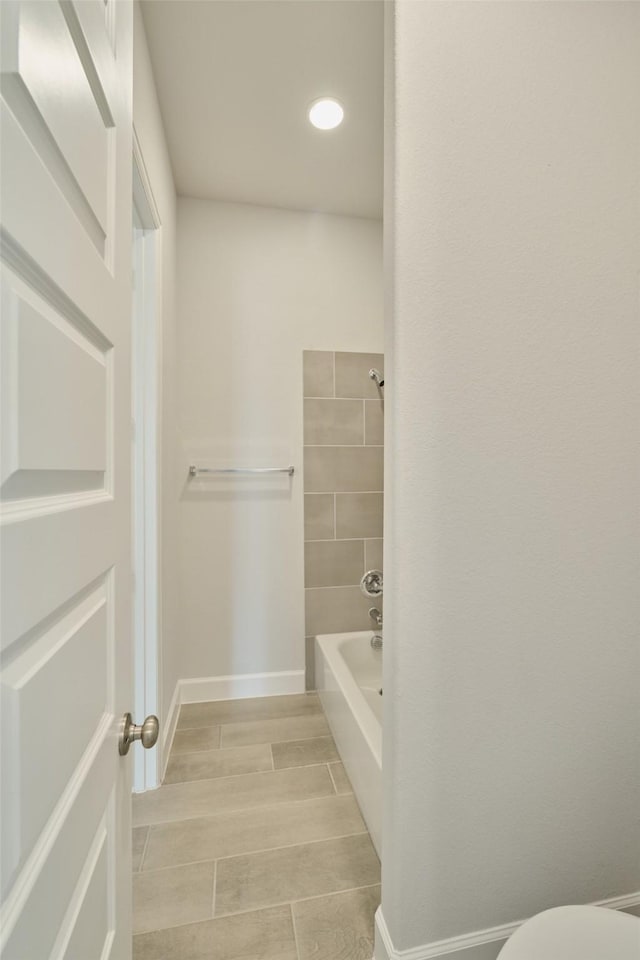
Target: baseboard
point(169, 730)
point(241, 686)
point(479, 945)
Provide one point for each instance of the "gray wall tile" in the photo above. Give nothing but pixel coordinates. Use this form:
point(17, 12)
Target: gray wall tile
point(317, 367)
point(359, 515)
point(352, 374)
point(373, 554)
point(336, 609)
point(334, 421)
point(310, 663)
point(335, 469)
point(333, 563)
point(318, 516)
point(374, 421)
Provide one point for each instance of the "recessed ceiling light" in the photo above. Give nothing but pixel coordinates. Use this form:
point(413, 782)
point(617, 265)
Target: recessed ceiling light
point(326, 114)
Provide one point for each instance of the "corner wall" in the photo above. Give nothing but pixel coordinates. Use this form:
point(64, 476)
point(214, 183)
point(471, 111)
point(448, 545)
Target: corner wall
point(512, 617)
point(149, 129)
point(256, 287)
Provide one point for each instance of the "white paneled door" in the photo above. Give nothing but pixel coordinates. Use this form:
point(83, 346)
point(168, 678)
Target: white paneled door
point(65, 211)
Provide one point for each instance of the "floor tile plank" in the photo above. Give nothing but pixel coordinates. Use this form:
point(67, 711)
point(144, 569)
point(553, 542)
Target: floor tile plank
point(249, 831)
point(293, 873)
point(337, 927)
point(273, 731)
point(299, 753)
point(260, 935)
point(201, 798)
point(211, 764)
point(138, 840)
point(257, 708)
point(165, 898)
point(340, 778)
point(189, 741)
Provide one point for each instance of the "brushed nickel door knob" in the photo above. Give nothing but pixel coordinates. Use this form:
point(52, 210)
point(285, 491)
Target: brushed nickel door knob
point(146, 733)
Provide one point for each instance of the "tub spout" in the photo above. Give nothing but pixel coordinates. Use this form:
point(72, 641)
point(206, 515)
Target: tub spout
point(376, 616)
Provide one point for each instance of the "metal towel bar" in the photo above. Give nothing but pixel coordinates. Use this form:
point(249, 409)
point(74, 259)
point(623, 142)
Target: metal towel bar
point(196, 471)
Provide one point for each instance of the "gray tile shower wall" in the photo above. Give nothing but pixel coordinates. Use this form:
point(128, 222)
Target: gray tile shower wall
point(343, 484)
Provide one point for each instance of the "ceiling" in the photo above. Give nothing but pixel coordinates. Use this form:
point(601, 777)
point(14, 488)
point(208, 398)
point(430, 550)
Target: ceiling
point(235, 79)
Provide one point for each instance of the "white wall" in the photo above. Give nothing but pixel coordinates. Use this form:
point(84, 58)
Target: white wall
point(512, 614)
point(256, 287)
point(149, 129)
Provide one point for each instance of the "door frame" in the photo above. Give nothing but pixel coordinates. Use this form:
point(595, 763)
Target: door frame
point(146, 461)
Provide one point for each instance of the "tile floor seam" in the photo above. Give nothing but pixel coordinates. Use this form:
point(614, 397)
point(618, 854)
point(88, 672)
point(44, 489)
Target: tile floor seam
point(288, 846)
point(295, 932)
point(244, 746)
point(258, 806)
point(241, 913)
point(287, 716)
point(213, 898)
point(284, 903)
point(253, 853)
point(335, 785)
point(144, 850)
point(252, 773)
point(274, 769)
point(316, 736)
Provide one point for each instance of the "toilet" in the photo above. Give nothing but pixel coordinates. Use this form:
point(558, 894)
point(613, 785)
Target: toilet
point(575, 933)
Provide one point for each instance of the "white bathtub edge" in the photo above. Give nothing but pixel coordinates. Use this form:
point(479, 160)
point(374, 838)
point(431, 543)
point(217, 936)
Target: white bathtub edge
point(356, 730)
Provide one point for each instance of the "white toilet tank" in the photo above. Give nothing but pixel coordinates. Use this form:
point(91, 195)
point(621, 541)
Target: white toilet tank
point(576, 933)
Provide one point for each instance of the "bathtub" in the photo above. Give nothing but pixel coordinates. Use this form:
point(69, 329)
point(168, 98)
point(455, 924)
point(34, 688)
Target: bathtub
point(349, 680)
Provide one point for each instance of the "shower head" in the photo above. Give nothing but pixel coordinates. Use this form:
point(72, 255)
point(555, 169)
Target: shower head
point(376, 376)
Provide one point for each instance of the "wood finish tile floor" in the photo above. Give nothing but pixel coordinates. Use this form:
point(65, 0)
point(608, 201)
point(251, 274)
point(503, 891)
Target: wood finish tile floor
point(254, 847)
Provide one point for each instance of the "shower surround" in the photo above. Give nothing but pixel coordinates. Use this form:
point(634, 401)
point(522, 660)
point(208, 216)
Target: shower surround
point(343, 490)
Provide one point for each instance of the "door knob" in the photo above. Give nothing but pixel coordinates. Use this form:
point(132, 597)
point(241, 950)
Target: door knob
point(146, 733)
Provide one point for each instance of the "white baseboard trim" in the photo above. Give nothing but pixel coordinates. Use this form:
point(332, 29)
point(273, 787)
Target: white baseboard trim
point(169, 730)
point(240, 686)
point(479, 945)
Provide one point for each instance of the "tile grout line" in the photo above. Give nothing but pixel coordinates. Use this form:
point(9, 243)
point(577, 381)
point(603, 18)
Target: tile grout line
point(321, 796)
point(270, 906)
point(249, 773)
point(338, 540)
point(258, 743)
point(295, 932)
point(144, 849)
point(332, 780)
point(282, 903)
point(256, 853)
point(248, 746)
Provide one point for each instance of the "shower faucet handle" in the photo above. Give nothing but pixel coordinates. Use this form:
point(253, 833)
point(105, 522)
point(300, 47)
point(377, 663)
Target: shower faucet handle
point(371, 584)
